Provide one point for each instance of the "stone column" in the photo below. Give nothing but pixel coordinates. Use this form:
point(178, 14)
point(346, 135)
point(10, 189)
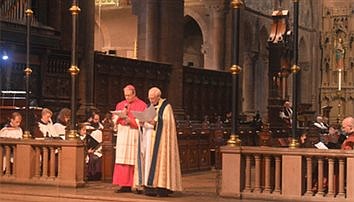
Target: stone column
point(86, 48)
point(248, 84)
point(217, 36)
point(208, 59)
point(152, 30)
point(231, 176)
point(171, 49)
point(160, 39)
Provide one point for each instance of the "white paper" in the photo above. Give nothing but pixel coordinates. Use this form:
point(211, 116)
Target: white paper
point(147, 115)
point(320, 145)
point(119, 113)
point(97, 135)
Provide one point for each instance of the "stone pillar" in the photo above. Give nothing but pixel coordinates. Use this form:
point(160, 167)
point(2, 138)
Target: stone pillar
point(160, 39)
point(86, 48)
point(231, 175)
point(24, 156)
point(217, 36)
point(152, 30)
point(292, 168)
point(171, 49)
point(248, 84)
point(208, 58)
point(350, 178)
point(72, 153)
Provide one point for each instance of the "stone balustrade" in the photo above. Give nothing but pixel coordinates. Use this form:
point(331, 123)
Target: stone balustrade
point(287, 174)
point(42, 162)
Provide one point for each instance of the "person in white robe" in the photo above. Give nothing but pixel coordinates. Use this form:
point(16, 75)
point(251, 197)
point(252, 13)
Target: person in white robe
point(159, 168)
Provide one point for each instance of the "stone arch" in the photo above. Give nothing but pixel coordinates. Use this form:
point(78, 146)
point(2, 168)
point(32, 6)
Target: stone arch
point(200, 21)
point(193, 42)
point(102, 35)
point(197, 17)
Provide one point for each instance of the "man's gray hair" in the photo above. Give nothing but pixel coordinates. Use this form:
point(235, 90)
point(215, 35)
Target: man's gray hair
point(155, 91)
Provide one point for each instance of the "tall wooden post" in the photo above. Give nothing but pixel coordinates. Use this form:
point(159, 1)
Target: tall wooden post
point(74, 70)
point(295, 69)
point(28, 70)
point(235, 70)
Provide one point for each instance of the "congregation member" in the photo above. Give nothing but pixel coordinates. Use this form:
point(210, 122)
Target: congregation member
point(62, 122)
point(44, 128)
point(93, 151)
point(161, 174)
point(348, 129)
point(286, 113)
point(13, 129)
point(320, 125)
point(94, 147)
point(127, 138)
point(95, 121)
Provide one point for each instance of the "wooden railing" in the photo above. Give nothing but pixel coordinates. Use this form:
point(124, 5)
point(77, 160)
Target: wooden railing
point(287, 174)
point(42, 162)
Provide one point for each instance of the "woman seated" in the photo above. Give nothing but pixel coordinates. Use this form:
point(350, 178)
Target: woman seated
point(62, 122)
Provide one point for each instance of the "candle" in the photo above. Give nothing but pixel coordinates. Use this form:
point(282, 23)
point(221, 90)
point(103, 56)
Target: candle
point(339, 79)
point(135, 53)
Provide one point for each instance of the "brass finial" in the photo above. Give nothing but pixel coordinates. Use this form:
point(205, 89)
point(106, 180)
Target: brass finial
point(74, 70)
point(235, 69)
point(234, 141)
point(28, 71)
point(236, 3)
point(294, 143)
point(295, 69)
point(29, 12)
point(74, 10)
point(71, 135)
point(26, 135)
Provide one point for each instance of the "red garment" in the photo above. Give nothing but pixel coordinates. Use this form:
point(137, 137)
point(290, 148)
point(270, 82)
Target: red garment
point(135, 105)
point(123, 175)
point(126, 147)
point(348, 143)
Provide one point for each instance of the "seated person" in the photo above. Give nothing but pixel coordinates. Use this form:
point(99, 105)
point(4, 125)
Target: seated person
point(94, 121)
point(62, 122)
point(93, 142)
point(320, 125)
point(286, 113)
point(13, 129)
point(348, 129)
point(44, 127)
point(333, 138)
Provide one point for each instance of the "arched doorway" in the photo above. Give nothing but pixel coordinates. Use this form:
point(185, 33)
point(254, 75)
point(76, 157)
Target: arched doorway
point(193, 40)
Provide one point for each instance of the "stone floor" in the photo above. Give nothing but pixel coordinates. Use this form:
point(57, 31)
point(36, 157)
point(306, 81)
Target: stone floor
point(199, 186)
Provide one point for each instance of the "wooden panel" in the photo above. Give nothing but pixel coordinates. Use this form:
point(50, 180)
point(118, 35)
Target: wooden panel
point(108, 155)
point(204, 90)
point(113, 73)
